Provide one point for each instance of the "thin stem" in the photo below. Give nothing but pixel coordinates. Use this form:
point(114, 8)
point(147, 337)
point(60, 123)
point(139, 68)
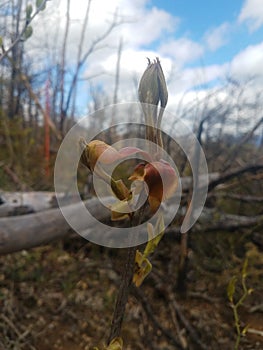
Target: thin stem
point(122, 297)
point(126, 280)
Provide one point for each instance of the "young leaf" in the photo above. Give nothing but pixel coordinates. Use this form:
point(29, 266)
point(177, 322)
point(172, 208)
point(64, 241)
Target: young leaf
point(244, 330)
point(29, 10)
point(115, 344)
point(41, 4)
point(244, 268)
point(250, 291)
point(120, 210)
point(155, 235)
point(231, 288)
point(28, 32)
point(142, 268)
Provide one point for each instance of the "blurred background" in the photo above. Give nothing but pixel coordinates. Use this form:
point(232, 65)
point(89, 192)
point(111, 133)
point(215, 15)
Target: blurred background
point(62, 60)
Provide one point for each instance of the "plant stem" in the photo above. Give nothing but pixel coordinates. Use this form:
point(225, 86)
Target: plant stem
point(126, 279)
point(122, 297)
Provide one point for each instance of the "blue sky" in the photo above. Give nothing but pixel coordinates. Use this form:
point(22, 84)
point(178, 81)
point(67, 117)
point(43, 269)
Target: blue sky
point(199, 42)
point(198, 18)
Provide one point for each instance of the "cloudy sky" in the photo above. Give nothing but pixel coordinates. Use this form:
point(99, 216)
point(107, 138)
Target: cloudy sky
point(200, 43)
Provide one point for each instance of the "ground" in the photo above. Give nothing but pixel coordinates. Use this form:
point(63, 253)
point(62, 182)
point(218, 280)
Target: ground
point(61, 296)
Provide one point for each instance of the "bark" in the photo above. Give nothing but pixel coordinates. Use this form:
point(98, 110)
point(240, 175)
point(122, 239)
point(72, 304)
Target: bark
point(28, 231)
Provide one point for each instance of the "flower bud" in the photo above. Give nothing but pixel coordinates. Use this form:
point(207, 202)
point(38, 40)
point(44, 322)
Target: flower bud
point(152, 87)
point(152, 91)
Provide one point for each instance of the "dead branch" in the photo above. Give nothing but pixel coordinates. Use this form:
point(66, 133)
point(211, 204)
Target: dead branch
point(148, 310)
point(252, 169)
point(169, 295)
point(238, 197)
point(28, 231)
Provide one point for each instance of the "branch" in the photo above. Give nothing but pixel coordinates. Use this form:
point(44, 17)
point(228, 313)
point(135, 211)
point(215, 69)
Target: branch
point(19, 37)
point(243, 140)
point(32, 230)
point(82, 61)
point(149, 312)
point(226, 177)
point(238, 197)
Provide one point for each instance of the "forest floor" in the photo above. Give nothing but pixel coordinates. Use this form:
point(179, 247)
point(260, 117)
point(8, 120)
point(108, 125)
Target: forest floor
point(61, 296)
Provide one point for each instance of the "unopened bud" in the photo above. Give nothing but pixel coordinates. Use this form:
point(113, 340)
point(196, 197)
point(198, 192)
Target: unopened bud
point(152, 92)
point(152, 87)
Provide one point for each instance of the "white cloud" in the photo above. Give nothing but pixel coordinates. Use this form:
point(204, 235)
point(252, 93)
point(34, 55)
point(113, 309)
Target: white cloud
point(217, 37)
point(149, 26)
point(248, 63)
point(252, 14)
point(182, 50)
point(132, 65)
point(141, 26)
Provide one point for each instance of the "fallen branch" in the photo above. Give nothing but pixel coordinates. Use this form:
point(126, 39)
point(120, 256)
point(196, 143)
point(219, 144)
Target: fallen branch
point(252, 169)
point(27, 231)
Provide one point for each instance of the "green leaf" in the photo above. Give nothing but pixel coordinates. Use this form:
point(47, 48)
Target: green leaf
point(29, 10)
point(1, 41)
point(142, 268)
point(244, 268)
point(115, 344)
point(231, 288)
point(28, 32)
point(41, 4)
point(120, 210)
point(244, 330)
point(250, 291)
point(154, 236)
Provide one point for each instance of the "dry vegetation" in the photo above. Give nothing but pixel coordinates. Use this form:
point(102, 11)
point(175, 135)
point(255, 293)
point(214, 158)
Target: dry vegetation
point(61, 296)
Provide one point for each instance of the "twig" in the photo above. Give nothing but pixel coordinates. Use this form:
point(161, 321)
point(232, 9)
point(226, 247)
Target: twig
point(255, 331)
point(168, 294)
point(126, 279)
point(123, 293)
point(15, 178)
point(19, 37)
point(193, 334)
point(147, 308)
point(11, 325)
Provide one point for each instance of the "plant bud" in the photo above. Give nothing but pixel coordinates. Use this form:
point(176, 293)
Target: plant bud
point(152, 91)
point(152, 87)
point(94, 150)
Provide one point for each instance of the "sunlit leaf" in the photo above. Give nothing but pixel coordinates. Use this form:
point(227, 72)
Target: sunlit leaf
point(245, 329)
point(142, 268)
point(120, 210)
point(154, 236)
point(244, 268)
point(115, 344)
point(231, 288)
point(250, 291)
